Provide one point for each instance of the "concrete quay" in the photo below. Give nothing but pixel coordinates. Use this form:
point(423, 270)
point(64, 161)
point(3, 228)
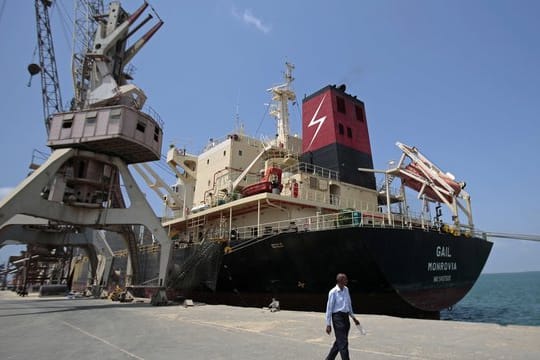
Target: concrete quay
point(60, 328)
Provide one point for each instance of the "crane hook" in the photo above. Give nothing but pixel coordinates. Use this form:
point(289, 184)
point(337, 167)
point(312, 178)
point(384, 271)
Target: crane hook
point(33, 69)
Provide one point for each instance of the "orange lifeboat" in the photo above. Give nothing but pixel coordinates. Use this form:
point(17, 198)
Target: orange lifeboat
point(412, 172)
point(270, 181)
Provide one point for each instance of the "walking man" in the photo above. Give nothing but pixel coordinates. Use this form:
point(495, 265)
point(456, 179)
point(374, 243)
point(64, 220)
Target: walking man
point(338, 310)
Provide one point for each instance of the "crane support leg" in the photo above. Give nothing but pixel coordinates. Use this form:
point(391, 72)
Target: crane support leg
point(43, 195)
point(43, 234)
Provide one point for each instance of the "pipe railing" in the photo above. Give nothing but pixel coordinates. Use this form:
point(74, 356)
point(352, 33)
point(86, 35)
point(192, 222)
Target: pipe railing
point(343, 219)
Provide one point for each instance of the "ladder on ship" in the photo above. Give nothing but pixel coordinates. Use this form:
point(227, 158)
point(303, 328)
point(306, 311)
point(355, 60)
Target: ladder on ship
point(197, 222)
point(385, 187)
point(191, 274)
point(247, 243)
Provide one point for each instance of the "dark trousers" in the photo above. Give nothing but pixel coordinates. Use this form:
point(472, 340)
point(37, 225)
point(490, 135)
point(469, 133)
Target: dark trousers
point(341, 323)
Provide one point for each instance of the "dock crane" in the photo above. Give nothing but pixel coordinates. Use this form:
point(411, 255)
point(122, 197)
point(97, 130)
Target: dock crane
point(50, 86)
point(93, 193)
point(85, 23)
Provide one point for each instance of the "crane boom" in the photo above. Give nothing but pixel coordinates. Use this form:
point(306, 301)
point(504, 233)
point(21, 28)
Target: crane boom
point(50, 86)
point(87, 15)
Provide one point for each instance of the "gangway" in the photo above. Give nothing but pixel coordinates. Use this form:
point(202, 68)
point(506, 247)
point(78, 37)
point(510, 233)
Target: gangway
point(501, 235)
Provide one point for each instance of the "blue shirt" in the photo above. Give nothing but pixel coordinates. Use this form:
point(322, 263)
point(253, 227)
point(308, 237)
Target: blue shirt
point(338, 301)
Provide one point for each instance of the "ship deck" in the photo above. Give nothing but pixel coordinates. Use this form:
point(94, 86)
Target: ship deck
point(249, 205)
point(60, 328)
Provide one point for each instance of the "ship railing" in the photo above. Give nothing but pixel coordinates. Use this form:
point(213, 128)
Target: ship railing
point(346, 219)
point(214, 142)
point(381, 186)
point(340, 202)
point(120, 253)
point(149, 248)
point(147, 109)
point(342, 219)
point(321, 222)
point(169, 214)
point(312, 169)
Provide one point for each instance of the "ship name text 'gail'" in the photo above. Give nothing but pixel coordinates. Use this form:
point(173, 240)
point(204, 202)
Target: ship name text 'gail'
point(443, 251)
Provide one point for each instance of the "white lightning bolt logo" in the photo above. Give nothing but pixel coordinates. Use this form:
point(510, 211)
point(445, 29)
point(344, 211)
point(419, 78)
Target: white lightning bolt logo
point(319, 122)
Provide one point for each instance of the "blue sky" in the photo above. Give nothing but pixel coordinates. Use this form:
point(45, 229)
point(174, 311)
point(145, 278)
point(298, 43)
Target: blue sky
point(458, 79)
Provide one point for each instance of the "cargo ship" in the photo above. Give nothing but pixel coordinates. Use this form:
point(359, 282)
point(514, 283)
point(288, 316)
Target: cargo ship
point(250, 220)
point(262, 219)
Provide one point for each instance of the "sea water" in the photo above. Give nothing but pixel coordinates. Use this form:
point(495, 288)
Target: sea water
point(506, 299)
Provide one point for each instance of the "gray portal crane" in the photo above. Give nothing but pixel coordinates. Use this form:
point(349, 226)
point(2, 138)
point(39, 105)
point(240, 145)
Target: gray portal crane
point(50, 86)
point(80, 185)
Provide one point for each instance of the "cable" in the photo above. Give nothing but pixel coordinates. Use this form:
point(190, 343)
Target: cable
point(155, 12)
point(62, 14)
point(2, 7)
point(164, 166)
point(262, 119)
point(298, 113)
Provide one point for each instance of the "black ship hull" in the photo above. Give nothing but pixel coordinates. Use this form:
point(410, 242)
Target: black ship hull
point(398, 272)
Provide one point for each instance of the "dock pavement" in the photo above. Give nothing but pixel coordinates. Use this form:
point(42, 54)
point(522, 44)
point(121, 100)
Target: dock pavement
point(80, 328)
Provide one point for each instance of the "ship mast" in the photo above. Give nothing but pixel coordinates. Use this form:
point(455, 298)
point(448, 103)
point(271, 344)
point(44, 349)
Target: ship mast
point(281, 94)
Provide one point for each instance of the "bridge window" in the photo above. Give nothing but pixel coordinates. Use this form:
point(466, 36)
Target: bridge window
point(67, 122)
point(115, 115)
point(340, 104)
point(341, 129)
point(313, 183)
point(359, 113)
point(141, 127)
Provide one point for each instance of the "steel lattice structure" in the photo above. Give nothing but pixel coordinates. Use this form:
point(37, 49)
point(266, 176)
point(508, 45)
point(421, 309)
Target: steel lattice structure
point(50, 87)
point(87, 13)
